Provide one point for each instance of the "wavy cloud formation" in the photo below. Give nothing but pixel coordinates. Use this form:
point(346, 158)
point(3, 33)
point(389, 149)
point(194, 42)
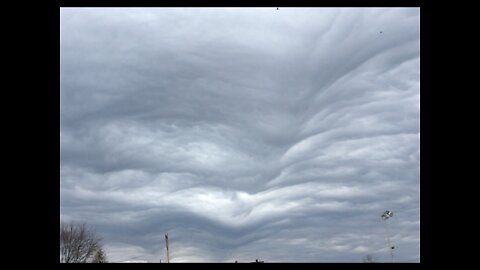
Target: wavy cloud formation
point(246, 133)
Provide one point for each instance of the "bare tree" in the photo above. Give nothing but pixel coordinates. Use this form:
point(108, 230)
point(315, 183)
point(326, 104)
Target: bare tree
point(99, 256)
point(78, 244)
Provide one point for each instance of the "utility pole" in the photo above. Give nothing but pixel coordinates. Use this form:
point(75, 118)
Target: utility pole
point(168, 253)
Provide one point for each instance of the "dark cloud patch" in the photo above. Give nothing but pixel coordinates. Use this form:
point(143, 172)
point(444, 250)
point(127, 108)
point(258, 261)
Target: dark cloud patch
point(243, 133)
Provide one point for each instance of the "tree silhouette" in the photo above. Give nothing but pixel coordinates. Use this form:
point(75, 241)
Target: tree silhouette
point(78, 244)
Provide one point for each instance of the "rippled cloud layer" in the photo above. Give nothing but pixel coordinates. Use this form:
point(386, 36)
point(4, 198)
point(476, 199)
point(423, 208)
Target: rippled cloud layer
point(281, 135)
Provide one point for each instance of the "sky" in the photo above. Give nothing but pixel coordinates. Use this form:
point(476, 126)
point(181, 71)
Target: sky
point(243, 133)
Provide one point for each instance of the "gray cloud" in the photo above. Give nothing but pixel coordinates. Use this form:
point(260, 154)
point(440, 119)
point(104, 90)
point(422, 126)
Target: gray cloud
point(243, 133)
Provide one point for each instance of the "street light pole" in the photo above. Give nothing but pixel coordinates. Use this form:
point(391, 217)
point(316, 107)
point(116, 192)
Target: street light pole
point(385, 216)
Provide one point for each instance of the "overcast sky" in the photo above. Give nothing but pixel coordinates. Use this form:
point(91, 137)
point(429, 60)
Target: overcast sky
point(243, 133)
